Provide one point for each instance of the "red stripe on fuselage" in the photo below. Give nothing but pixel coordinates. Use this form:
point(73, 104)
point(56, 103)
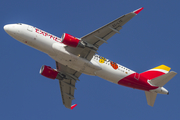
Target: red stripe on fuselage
point(140, 83)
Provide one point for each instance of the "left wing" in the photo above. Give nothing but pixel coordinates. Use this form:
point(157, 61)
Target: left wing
point(101, 35)
point(67, 84)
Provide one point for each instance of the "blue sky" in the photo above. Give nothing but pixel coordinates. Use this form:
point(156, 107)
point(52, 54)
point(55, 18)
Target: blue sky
point(150, 39)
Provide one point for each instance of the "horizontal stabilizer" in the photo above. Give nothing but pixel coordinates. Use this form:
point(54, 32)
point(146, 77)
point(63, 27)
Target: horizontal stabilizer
point(163, 79)
point(151, 97)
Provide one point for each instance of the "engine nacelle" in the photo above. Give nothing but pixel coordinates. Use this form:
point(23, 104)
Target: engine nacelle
point(48, 72)
point(72, 41)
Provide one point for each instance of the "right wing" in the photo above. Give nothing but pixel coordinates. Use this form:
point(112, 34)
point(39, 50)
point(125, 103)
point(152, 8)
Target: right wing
point(101, 35)
point(67, 84)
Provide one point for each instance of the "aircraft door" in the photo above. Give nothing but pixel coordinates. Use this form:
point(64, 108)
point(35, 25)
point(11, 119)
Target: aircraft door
point(137, 76)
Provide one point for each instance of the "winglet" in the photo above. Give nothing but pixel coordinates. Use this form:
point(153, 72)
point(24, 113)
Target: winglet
point(73, 106)
point(138, 10)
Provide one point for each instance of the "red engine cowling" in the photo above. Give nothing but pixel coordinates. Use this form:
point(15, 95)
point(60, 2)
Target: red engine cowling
point(70, 40)
point(48, 72)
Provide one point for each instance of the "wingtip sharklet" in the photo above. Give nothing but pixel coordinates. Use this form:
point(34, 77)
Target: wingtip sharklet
point(73, 106)
point(138, 10)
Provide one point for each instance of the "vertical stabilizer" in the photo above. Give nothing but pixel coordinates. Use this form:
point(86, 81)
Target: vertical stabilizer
point(156, 72)
point(157, 76)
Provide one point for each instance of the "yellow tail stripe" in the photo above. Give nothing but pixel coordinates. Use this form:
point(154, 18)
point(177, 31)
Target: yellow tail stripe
point(163, 67)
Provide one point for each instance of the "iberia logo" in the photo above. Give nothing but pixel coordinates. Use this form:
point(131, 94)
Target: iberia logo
point(102, 60)
point(114, 65)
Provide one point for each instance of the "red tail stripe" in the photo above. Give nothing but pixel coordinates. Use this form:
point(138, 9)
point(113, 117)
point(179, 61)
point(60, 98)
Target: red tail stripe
point(152, 74)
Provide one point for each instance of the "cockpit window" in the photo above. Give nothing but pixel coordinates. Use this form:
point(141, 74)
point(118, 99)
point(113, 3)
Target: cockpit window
point(19, 23)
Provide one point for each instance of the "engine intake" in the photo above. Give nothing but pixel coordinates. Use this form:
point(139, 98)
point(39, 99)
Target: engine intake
point(48, 72)
point(72, 41)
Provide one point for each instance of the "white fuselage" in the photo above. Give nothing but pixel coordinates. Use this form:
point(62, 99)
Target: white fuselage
point(51, 45)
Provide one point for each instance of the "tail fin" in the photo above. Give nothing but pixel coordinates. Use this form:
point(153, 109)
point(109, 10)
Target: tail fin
point(157, 76)
point(156, 72)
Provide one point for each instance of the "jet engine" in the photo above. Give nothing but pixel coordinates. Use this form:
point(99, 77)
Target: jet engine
point(72, 41)
point(48, 72)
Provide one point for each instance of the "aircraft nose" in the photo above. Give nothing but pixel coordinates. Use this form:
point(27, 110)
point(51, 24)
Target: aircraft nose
point(11, 29)
point(7, 28)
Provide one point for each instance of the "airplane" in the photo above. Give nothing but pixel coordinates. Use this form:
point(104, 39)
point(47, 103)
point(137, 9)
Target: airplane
point(75, 56)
